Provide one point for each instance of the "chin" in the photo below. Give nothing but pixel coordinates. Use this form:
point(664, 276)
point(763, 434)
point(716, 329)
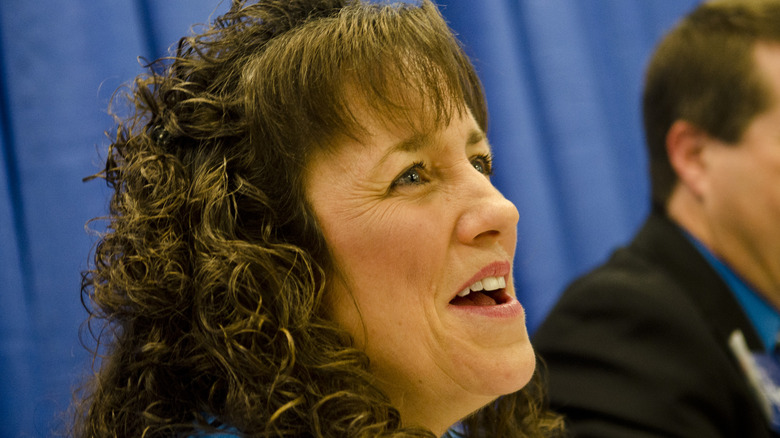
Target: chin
point(506, 374)
point(520, 373)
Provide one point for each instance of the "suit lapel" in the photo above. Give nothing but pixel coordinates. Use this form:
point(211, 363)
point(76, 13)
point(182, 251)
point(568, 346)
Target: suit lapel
point(665, 244)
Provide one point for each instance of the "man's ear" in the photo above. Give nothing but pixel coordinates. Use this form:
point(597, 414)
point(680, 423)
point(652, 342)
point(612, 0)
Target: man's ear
point(685, 144)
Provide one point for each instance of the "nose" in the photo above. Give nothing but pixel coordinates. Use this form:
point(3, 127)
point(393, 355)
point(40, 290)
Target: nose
point(486, 214)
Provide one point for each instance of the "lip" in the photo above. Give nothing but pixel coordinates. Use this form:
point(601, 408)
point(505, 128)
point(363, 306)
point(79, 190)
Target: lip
point(511, 308)
point(495, 269)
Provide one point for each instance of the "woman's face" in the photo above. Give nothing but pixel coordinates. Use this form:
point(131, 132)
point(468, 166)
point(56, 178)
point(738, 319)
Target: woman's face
point(413, 222)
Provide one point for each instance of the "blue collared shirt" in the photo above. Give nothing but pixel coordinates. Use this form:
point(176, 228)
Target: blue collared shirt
point(764, 317)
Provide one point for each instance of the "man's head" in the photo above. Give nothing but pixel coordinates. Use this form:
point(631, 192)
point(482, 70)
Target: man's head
point(712, 115)
point(704, 72)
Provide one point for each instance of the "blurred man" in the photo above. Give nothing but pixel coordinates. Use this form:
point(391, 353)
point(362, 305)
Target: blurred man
point(673, 335)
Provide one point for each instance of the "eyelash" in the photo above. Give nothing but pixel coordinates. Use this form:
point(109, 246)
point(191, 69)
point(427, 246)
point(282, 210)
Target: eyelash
point(486, 162)
point(418, 166)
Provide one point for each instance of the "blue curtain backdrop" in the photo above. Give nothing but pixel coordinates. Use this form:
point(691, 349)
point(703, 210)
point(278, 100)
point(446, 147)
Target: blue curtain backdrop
point(563, 80)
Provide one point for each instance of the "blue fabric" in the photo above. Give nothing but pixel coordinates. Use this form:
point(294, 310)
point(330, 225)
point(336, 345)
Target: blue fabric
point(228, 434)
point(764, 317)
point(562, 77)
point(229, 431)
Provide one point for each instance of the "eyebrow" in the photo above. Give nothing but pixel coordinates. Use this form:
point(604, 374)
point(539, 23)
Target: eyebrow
point(412, 144)
point(419, 141)
point(475, 136)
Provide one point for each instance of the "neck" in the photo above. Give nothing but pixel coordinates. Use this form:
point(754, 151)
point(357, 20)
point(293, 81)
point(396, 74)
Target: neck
point(689, 213)
point(432, 411)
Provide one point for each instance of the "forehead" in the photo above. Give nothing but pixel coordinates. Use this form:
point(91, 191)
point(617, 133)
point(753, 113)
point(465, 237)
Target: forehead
point(402, 112)
point(767, 57)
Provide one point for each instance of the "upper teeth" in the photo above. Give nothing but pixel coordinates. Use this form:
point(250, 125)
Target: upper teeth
point(487, 283)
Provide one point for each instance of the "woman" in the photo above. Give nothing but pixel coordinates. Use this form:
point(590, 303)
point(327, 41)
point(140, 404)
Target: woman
point(303, 238)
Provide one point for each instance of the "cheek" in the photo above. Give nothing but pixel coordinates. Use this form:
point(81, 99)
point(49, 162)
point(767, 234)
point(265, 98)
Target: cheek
point(386, 268)
point(384, 250)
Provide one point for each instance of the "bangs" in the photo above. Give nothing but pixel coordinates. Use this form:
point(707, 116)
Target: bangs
point(400, 62)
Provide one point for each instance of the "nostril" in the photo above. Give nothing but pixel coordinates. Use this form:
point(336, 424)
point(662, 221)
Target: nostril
point(487, 217)
point(489, 233)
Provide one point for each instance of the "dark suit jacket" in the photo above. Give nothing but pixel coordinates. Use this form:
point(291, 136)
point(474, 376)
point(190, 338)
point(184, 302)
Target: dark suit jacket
point(638, 347)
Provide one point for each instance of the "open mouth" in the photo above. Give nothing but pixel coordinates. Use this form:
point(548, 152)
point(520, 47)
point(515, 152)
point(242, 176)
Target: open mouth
point(490, 291)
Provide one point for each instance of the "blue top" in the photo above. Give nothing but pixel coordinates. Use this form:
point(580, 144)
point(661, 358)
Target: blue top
point(229, 433)
point(226, 431)
point(764, 317)
point(221, 435)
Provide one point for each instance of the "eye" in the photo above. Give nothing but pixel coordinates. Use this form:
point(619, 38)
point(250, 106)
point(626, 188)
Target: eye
point(411, 176)
point(483, 163)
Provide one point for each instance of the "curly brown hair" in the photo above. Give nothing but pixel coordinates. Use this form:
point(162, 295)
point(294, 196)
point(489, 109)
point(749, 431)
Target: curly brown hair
point(205, 293)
